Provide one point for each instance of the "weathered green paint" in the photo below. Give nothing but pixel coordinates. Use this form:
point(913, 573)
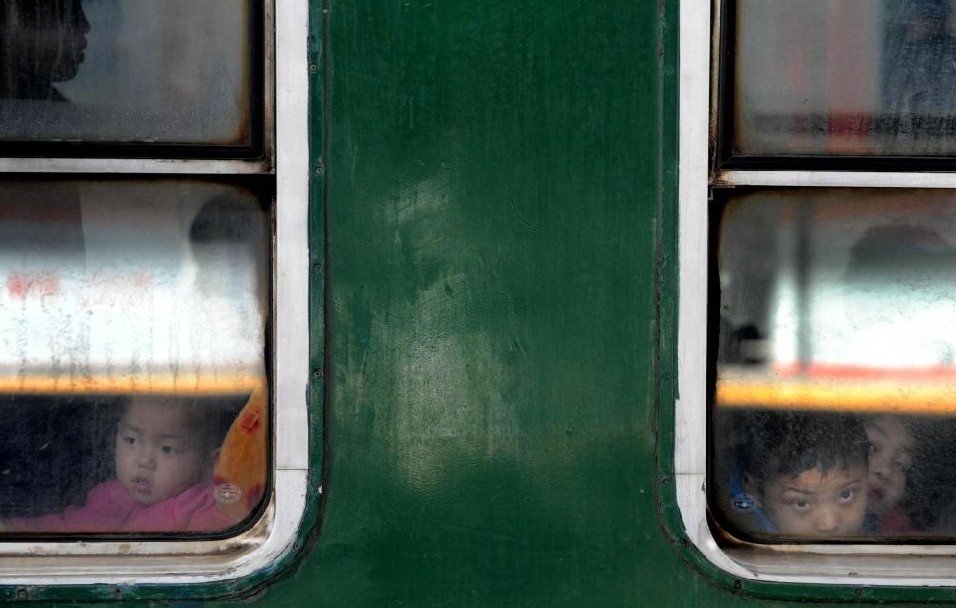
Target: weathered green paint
point(494, 213)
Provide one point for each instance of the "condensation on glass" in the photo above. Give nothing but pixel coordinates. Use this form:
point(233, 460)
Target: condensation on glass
point(835, 382)
point(141, 71)
point(844, 77)
point(132, 355)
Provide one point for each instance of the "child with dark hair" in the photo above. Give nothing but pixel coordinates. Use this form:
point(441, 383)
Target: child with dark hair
point(164, 454)
point(891, 457)
point(806, 474)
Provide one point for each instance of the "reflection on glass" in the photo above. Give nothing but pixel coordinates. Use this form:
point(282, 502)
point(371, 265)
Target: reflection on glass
point(918, 68)
point(836, 331)
point(132, 356)
point(844, 77)
point(152, 71)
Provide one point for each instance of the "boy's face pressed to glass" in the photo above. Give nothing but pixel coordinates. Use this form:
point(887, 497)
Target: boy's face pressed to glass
point(818, 504)
point(158, 455)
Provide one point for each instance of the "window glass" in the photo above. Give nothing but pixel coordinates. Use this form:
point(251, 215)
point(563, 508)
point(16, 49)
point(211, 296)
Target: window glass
point(132, 367)
point(843, 77)
point(835, 392)
point(149, 71)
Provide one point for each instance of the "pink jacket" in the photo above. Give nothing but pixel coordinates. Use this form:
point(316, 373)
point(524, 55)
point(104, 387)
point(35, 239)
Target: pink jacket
point(109, 508)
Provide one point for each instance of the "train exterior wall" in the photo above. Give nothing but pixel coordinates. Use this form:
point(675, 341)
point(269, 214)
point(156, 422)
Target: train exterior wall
point(494, 253)
point(500, 197)
point(494, 239)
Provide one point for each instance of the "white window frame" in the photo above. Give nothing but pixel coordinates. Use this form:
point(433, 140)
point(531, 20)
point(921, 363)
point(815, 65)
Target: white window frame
point(871, 564)
point(274, 534)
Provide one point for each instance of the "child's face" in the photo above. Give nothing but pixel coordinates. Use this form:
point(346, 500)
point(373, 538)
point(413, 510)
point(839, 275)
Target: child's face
point(158, 455)
point(815, 504)
point(891, 443)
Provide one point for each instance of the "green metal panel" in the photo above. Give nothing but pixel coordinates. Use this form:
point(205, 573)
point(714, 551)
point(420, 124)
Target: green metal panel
point(494, 196)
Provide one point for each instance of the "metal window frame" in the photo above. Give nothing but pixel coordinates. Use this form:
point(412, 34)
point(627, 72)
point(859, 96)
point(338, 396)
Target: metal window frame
point(277, 532)
point(914, 566)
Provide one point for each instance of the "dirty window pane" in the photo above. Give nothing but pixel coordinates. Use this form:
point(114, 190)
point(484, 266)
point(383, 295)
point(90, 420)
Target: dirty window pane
point(844, 77)
point(151, 71)
point(835, 394)
point(132, 355)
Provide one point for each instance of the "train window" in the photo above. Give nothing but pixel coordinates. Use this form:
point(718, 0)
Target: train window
point(887, 89)
point(830, 361)
point(150, 72)
point(154, 273)
point(817, 166)
point(149, 298)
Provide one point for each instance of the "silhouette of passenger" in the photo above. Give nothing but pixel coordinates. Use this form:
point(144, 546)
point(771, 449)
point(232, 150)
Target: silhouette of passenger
point(907, 256)
point(41, 43)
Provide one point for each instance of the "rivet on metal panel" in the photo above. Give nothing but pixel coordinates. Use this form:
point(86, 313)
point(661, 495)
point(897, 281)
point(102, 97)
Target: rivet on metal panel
point(317, 267)
point(318, 374)
point(313, 68)
point(23, 594)
point(320, 170)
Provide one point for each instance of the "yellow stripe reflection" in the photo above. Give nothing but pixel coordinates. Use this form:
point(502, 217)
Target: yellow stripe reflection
point(180, 384)
point(926, 398)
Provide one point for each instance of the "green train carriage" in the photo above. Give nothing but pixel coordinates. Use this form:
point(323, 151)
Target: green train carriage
point(479, 294)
